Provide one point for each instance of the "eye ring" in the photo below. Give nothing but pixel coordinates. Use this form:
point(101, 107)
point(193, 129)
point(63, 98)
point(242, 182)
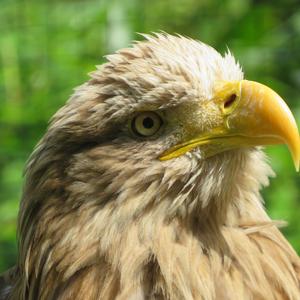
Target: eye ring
point(145, 124)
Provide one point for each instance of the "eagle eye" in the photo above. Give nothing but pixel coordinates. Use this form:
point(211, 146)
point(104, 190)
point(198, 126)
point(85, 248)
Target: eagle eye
point(146, 124)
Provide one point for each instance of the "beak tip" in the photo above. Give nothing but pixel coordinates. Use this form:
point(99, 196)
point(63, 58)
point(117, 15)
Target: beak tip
point(296, 154)
point(296, 160)
point(297, 164)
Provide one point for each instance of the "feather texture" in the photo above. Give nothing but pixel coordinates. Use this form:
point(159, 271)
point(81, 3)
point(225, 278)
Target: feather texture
point(102, 218)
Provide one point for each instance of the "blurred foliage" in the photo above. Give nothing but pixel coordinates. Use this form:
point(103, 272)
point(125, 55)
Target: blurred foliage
point(48, 47)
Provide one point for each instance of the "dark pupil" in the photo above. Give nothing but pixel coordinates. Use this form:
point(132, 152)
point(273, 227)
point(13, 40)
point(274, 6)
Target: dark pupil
point(148, 123)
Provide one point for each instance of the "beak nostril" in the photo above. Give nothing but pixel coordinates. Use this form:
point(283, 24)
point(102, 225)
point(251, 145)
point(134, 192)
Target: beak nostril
point(231, 99)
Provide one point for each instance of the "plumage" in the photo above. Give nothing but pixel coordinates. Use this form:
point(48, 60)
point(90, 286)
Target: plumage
point(102, 217)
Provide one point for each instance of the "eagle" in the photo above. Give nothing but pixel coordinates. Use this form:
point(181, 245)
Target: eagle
point(146, 184)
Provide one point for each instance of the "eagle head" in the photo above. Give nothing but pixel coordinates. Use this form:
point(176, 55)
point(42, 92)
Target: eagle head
point(146, 166)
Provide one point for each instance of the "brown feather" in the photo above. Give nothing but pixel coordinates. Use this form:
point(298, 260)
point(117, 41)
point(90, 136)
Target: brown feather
point(102, 218)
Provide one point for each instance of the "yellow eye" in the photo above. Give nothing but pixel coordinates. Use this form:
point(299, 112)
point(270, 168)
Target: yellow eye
point(146, 124)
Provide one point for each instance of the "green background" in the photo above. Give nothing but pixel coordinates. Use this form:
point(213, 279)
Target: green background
point(48, 47)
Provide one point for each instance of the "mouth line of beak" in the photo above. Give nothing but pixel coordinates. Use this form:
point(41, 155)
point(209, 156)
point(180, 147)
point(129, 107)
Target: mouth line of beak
point(183, 148)
point(226, 142)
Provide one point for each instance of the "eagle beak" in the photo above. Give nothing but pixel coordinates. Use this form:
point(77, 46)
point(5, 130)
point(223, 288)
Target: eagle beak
point(252, 115)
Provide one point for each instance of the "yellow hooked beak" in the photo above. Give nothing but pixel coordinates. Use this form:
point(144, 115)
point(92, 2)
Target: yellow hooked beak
point(252, 115)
